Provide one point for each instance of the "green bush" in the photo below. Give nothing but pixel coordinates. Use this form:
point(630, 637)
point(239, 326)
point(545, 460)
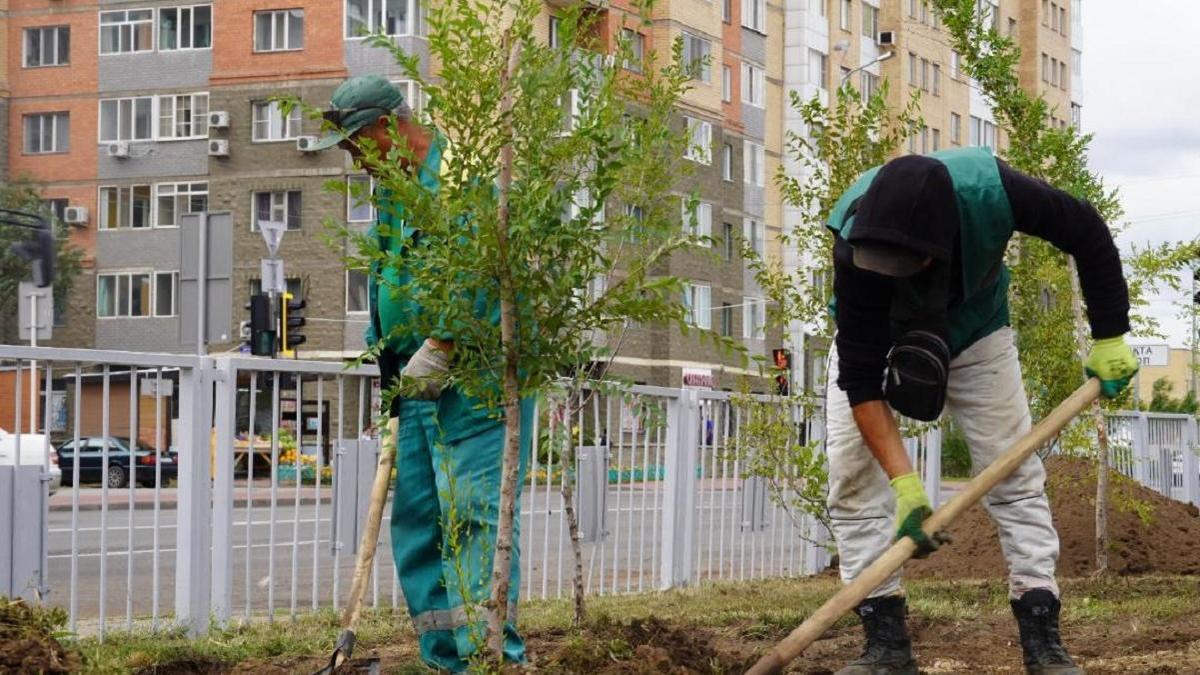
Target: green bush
point(956, 456)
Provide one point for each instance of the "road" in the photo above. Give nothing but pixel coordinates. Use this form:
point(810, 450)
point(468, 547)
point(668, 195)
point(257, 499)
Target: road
point(308, 568)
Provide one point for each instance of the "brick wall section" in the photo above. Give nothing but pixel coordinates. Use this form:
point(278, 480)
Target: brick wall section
point(4, 138)
point(236, 62)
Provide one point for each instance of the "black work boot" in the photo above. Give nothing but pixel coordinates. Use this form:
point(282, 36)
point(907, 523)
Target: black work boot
point(1037, 619)
point(888, 650)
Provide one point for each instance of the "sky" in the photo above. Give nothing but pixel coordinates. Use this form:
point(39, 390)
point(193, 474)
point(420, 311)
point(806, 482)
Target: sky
point(1141, 99)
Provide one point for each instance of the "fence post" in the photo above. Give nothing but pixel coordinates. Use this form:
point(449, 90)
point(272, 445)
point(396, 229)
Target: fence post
point(679, 489)
point(192, 534)
point(1145, 462)
point(225, 414)
point(1191, 462)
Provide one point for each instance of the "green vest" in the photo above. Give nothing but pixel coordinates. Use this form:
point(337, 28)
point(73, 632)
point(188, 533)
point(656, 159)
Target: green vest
point(986, 225)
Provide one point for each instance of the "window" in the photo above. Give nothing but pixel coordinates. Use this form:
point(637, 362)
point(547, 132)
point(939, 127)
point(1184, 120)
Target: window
point(357, 297)
point(185, 27)
point(699, 141)
point(754, 15)
point(124, 295)
point(277, 207)
point(937, 80)
point(1076, 114)
point(975, 133)
point(359, 208)
point(1054, 72)
point(955, 65)
point(279, 30)
point(818, 69)
point(912, 8)
point(924, 74)
point(127, 31)
point(753, 164)
point(727, 238)
point(1062, 19)
point(817, 6)
point(637, 49)
point(726, 83)
point(753, 85)
point(1045, 12)
point(1012, 27)
point(754, 318)
point(125, 207)
point(698, 299)
point(727, 11)
point(390, 17)
point(56, 208)
point(173, 200)
point(696, 55)
point(870, 21)
point(844, 19)
point(553, 31)
point(698, 223)
point(924, 140)
point(924, 12)
point(270, 125)
point(727, 161)
point(126, 119)
point(165, 284)
point(868, 85)
point(1054, 17)
point(1076, 64)
point(914, 75)
point(752, 233)
point(955, 128)
point(935, 140)
point(1045, 67)
point(726, 320)
point(47, 132)
point(47, 46)
point(183, 116)
point(1062, 74)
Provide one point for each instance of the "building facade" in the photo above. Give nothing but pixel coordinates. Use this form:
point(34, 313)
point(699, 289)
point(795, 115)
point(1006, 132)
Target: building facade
point(131, 114)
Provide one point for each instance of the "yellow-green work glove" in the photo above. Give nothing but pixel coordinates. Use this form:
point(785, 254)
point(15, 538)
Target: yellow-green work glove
point(1113, 362)
point(912, 508)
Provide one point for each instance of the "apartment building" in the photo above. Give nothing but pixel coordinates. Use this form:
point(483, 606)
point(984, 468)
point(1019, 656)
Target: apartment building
point(132, 114)
point(863, 42)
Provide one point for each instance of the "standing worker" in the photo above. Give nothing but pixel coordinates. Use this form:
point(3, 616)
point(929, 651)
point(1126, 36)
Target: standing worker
point(921, 294)
point(445, 508)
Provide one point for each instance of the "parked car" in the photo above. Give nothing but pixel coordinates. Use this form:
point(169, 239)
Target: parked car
point(33, 452)
point(91, 462)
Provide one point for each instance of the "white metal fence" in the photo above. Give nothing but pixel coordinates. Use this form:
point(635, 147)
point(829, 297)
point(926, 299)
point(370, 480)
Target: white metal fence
point(253, 505)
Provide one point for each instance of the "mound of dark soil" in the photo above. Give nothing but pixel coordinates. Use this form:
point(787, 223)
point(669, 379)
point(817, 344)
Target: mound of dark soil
point(638, 646)
point(1148, 533)
point(27, 642)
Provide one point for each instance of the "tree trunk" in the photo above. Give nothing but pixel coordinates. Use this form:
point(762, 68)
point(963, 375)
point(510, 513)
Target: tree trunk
point(568, 494)
point(502, 559)
point(1101, 430)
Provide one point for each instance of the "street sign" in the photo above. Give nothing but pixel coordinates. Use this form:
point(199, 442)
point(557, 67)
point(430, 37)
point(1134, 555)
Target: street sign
point(272, 276)
point(1153, 354)
point(218, 278)
point(272, 234)
point(45, 311)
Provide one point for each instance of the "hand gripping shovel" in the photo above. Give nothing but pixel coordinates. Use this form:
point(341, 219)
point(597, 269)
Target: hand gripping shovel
point(891, 560)
point(366, 556)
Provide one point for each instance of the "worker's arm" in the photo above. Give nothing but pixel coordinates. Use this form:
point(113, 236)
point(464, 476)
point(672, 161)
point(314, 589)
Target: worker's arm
point(1074, 227)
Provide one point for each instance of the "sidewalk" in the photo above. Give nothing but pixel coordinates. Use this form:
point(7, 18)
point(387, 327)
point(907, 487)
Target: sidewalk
point(91, 498)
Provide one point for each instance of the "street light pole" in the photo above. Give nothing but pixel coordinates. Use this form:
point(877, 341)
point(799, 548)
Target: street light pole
point(880, 59)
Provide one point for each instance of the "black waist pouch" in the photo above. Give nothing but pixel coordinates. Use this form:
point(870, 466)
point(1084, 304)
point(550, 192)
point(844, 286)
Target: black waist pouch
point(918, 367)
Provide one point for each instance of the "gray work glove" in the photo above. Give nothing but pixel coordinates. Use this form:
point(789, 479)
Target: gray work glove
point(426, 374)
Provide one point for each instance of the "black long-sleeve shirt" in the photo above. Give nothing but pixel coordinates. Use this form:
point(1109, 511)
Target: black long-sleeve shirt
point(1073, 226)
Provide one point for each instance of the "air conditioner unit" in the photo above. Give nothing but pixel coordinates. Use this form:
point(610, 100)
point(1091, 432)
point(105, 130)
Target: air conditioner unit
point(118, 150)
point(218, 119)
point(306, 143)
point(75, 215)
point(886, 38)
point(218, 148)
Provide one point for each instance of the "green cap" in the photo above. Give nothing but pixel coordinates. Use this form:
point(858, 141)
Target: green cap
point(356, 103)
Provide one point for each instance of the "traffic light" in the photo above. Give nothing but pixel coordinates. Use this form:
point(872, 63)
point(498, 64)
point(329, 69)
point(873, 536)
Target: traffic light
point(783, 364)
point(290, 321)
point(262, 334)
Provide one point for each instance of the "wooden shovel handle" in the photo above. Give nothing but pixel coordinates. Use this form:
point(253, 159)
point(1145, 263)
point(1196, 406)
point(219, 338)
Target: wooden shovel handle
point(892, 559)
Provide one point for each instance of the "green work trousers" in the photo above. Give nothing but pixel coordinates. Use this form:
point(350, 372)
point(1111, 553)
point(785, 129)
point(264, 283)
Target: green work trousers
point(445, 514)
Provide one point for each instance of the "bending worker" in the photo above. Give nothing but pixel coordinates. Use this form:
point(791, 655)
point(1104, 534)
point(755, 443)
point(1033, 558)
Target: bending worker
point(445, 509)
point(922, 320)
